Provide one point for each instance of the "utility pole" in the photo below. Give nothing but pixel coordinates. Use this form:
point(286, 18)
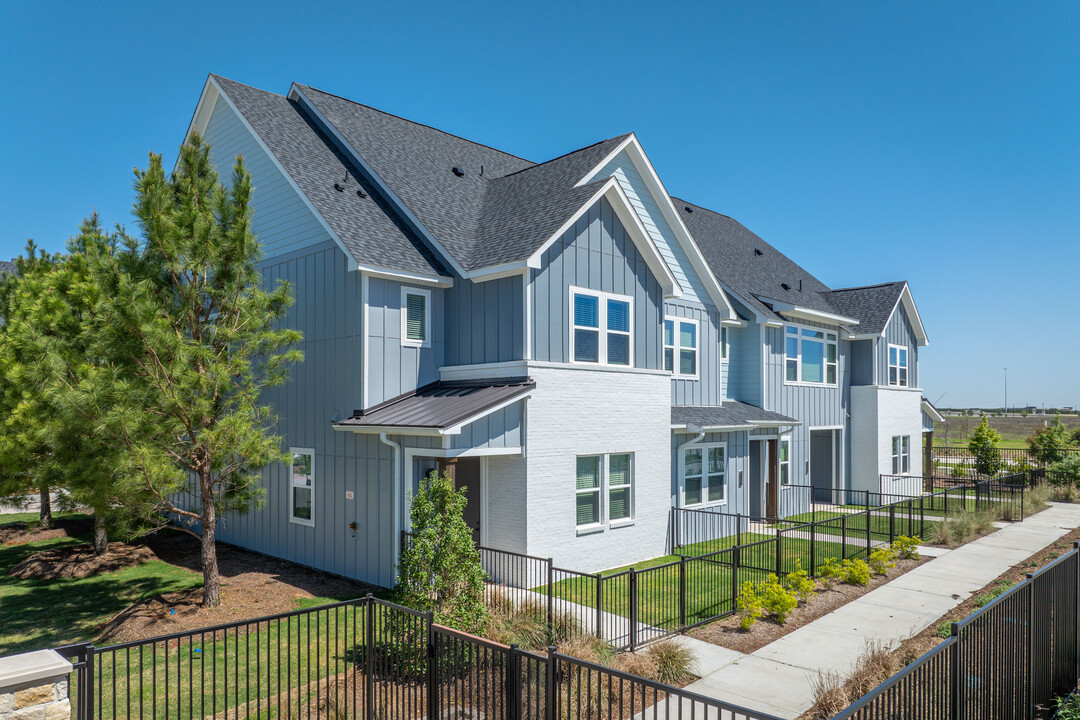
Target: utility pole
point(1006, 392)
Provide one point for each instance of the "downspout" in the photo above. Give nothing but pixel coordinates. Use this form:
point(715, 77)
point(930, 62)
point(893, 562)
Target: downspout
point(396, 544)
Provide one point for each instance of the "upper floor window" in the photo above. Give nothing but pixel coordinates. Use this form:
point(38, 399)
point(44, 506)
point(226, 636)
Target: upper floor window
point(723, 343)
point(809, 355)
point(601, 328)
point(898, 365)
point(681, 347)
point(901, 454)
point(704, 474)
point(415, 317)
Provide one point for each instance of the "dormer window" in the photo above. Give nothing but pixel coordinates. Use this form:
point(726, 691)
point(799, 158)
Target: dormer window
point(415, 317)
point(601, 330)
point(809, 355)
point(898, 365)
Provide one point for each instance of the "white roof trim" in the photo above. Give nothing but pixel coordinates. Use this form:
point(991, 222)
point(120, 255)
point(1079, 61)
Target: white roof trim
point(774, 424)
point(913, 316)
point(211, 85)
point(691, 428)
point(674, 220)
point(929, 409)
point(400, 276)
point(612, 190)
point(806, 313)
point(296, 94)
point(427, 430)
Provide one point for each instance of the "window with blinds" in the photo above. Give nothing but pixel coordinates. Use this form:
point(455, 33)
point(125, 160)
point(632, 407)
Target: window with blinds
point(601, 328)
point(704, 474)
point(604, 489)
point(415, 317)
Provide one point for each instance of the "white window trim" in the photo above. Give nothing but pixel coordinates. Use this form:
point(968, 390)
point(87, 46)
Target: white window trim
point(725, 344)
point(605, 490)
point(426, 342)
point(677, 348)
point(705, 502)
point(780, 462)
point(890, 366)
point(603, 297)
point(314, 481)
point(798, 360)
point(897, 456)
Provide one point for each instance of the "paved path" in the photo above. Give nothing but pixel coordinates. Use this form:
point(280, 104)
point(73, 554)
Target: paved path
point(777, 678)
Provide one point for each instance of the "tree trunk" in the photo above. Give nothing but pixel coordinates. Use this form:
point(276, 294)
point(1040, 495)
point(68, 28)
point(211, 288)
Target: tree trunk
point(46, 508)
point(211, 581)
point(101, 535)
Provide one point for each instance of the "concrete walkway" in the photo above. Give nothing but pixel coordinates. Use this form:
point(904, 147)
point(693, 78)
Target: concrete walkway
point(777, 679)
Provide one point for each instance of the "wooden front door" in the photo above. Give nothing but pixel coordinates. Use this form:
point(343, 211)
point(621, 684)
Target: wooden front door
point(465, 473)
point(772, 498)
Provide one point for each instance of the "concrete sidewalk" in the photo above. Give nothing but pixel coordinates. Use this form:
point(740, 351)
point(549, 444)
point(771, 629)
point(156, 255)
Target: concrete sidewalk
point(778, 678)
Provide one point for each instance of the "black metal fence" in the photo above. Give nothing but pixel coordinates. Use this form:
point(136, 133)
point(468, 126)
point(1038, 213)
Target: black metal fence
point(1007, 661)
point(947, 457)
point(364, 658)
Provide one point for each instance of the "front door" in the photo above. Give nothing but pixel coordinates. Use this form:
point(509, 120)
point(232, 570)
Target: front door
point(822, 465)
point(772, 475)
point(466, 474)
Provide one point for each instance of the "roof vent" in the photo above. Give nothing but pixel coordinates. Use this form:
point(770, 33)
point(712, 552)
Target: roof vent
point(458, 171)
point(339, 187)
point(688, 208)
point(758, 252)
point(785, 286)
point(360, 193)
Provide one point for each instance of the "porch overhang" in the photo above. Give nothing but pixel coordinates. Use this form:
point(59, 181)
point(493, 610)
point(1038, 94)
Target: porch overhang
point(729, 416)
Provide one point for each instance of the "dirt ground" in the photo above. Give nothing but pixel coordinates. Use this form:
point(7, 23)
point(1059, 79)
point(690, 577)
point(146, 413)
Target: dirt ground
point(20, 533)
point(252, 586)
point(80, 561)
point(726, 632)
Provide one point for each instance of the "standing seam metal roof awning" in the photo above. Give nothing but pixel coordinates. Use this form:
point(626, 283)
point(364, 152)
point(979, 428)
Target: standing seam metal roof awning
point(729, 415)
point(439, 408)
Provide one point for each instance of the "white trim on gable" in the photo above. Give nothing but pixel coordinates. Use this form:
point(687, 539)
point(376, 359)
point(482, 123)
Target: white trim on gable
point(663, 200)
point(913, 316)
point(805, 313)
point(613, 192)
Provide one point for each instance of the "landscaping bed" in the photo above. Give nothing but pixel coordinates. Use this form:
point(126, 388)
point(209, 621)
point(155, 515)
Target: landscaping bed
point(727, 633)
point(23, 528)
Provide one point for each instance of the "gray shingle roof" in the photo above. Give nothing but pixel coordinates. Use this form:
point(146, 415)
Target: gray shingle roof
point(368, 227)
point(7, 267)
point(730, 249)
point(729, 414)
point(441, 405)
point(497, 212)
point(872, 305)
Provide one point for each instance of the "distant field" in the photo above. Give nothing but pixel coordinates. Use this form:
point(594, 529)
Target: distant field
point(957, 429)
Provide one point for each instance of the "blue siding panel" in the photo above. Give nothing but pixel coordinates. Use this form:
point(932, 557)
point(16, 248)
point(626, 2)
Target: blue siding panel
point(484, 321)
point(707, 389)
point(899, 332)
point(397, 369)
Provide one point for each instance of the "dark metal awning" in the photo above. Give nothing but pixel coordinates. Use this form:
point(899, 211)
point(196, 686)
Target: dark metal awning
point(730, 415)
point(441, 408)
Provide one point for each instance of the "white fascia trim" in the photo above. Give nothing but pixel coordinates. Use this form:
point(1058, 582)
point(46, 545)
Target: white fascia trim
point(389, 430)
point(498, 271)
point(295, 94)
point(456, 429)
point(663, 201)
point(734, 323)
point(203, 110)
point(691, 428)
point(400, 276)
point(913, 315)
point(281, 169)
point(929, 409)
point(806, 313)
point(614, 193)
point(774, 424)
point(772, 324)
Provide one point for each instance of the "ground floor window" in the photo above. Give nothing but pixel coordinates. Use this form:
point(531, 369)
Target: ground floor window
point(302, 486)
point(605, 488)
point(785, 462)
point(901, 454)
point(704, 474)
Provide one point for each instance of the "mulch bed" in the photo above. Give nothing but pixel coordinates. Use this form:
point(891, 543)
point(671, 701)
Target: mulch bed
point(252, 586)
point(727, 633)
point(79, 561)
point(21, 533)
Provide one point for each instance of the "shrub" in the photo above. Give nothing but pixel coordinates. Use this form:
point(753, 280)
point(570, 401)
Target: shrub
point(674, 661)
point(830, 571)
point(958, 471)
point(875, 665)
point(1065, 493)
point(983, 446)
point(1066, 470)
point(1049, 443)
point(526, 624)
point(963, 526)
point(1068, 707)
point(776, 599)
point(999, 589)
point(588, 648)
point(906, 547)
point(856, 572)
point(799, 582)
point(881, 560)
point(748, 606)
point(830, 696)
point(943, 629)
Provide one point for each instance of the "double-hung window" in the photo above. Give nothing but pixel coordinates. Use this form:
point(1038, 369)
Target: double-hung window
point(601, 328)
point(901, 454)
point(681, 347)
point(898, 365)
point(809, 355)
point(704, 474)
point(605, 488)
point(302, 486)
point(415, 317)
point(785, 462)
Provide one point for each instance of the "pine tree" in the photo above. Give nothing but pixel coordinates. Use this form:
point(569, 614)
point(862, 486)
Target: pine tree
point(984, 448)
point(193, 339)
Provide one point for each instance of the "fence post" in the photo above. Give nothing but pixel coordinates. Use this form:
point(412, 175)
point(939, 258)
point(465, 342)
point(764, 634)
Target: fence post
point(813, 544)
point(551, 592)
point(550, 696)
point(955, 696)
point(513, 683)
point(1030, 669)
point(369, 656)
point(1076, 613)
point(735, 579)
point(633, 609)
point(599, 605)
point(433, 670)
point(843, 536)
point(779, 553)
point(892, 523)
point(85, 711)
point(682, 592)
point(868, 519)
point(922, 519)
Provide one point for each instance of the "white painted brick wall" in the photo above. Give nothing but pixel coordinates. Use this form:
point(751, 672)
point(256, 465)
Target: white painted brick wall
point(588, 411)
point(506, 495)
point(878, 414)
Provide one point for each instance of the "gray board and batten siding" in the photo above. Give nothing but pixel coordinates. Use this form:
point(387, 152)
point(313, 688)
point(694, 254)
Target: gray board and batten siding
point(596, 253)
point(395, 369)
point(899, 332)
point(484, 321)
point(708, 388)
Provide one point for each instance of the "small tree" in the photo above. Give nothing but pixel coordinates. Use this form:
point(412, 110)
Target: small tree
point(1048, 443)
point(440, 568)
point(984, 448)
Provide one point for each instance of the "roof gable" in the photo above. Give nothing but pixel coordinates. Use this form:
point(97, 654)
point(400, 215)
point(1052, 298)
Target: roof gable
point(875, 306)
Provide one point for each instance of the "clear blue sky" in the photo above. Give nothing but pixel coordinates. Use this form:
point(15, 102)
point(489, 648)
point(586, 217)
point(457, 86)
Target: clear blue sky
point(933, 142)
